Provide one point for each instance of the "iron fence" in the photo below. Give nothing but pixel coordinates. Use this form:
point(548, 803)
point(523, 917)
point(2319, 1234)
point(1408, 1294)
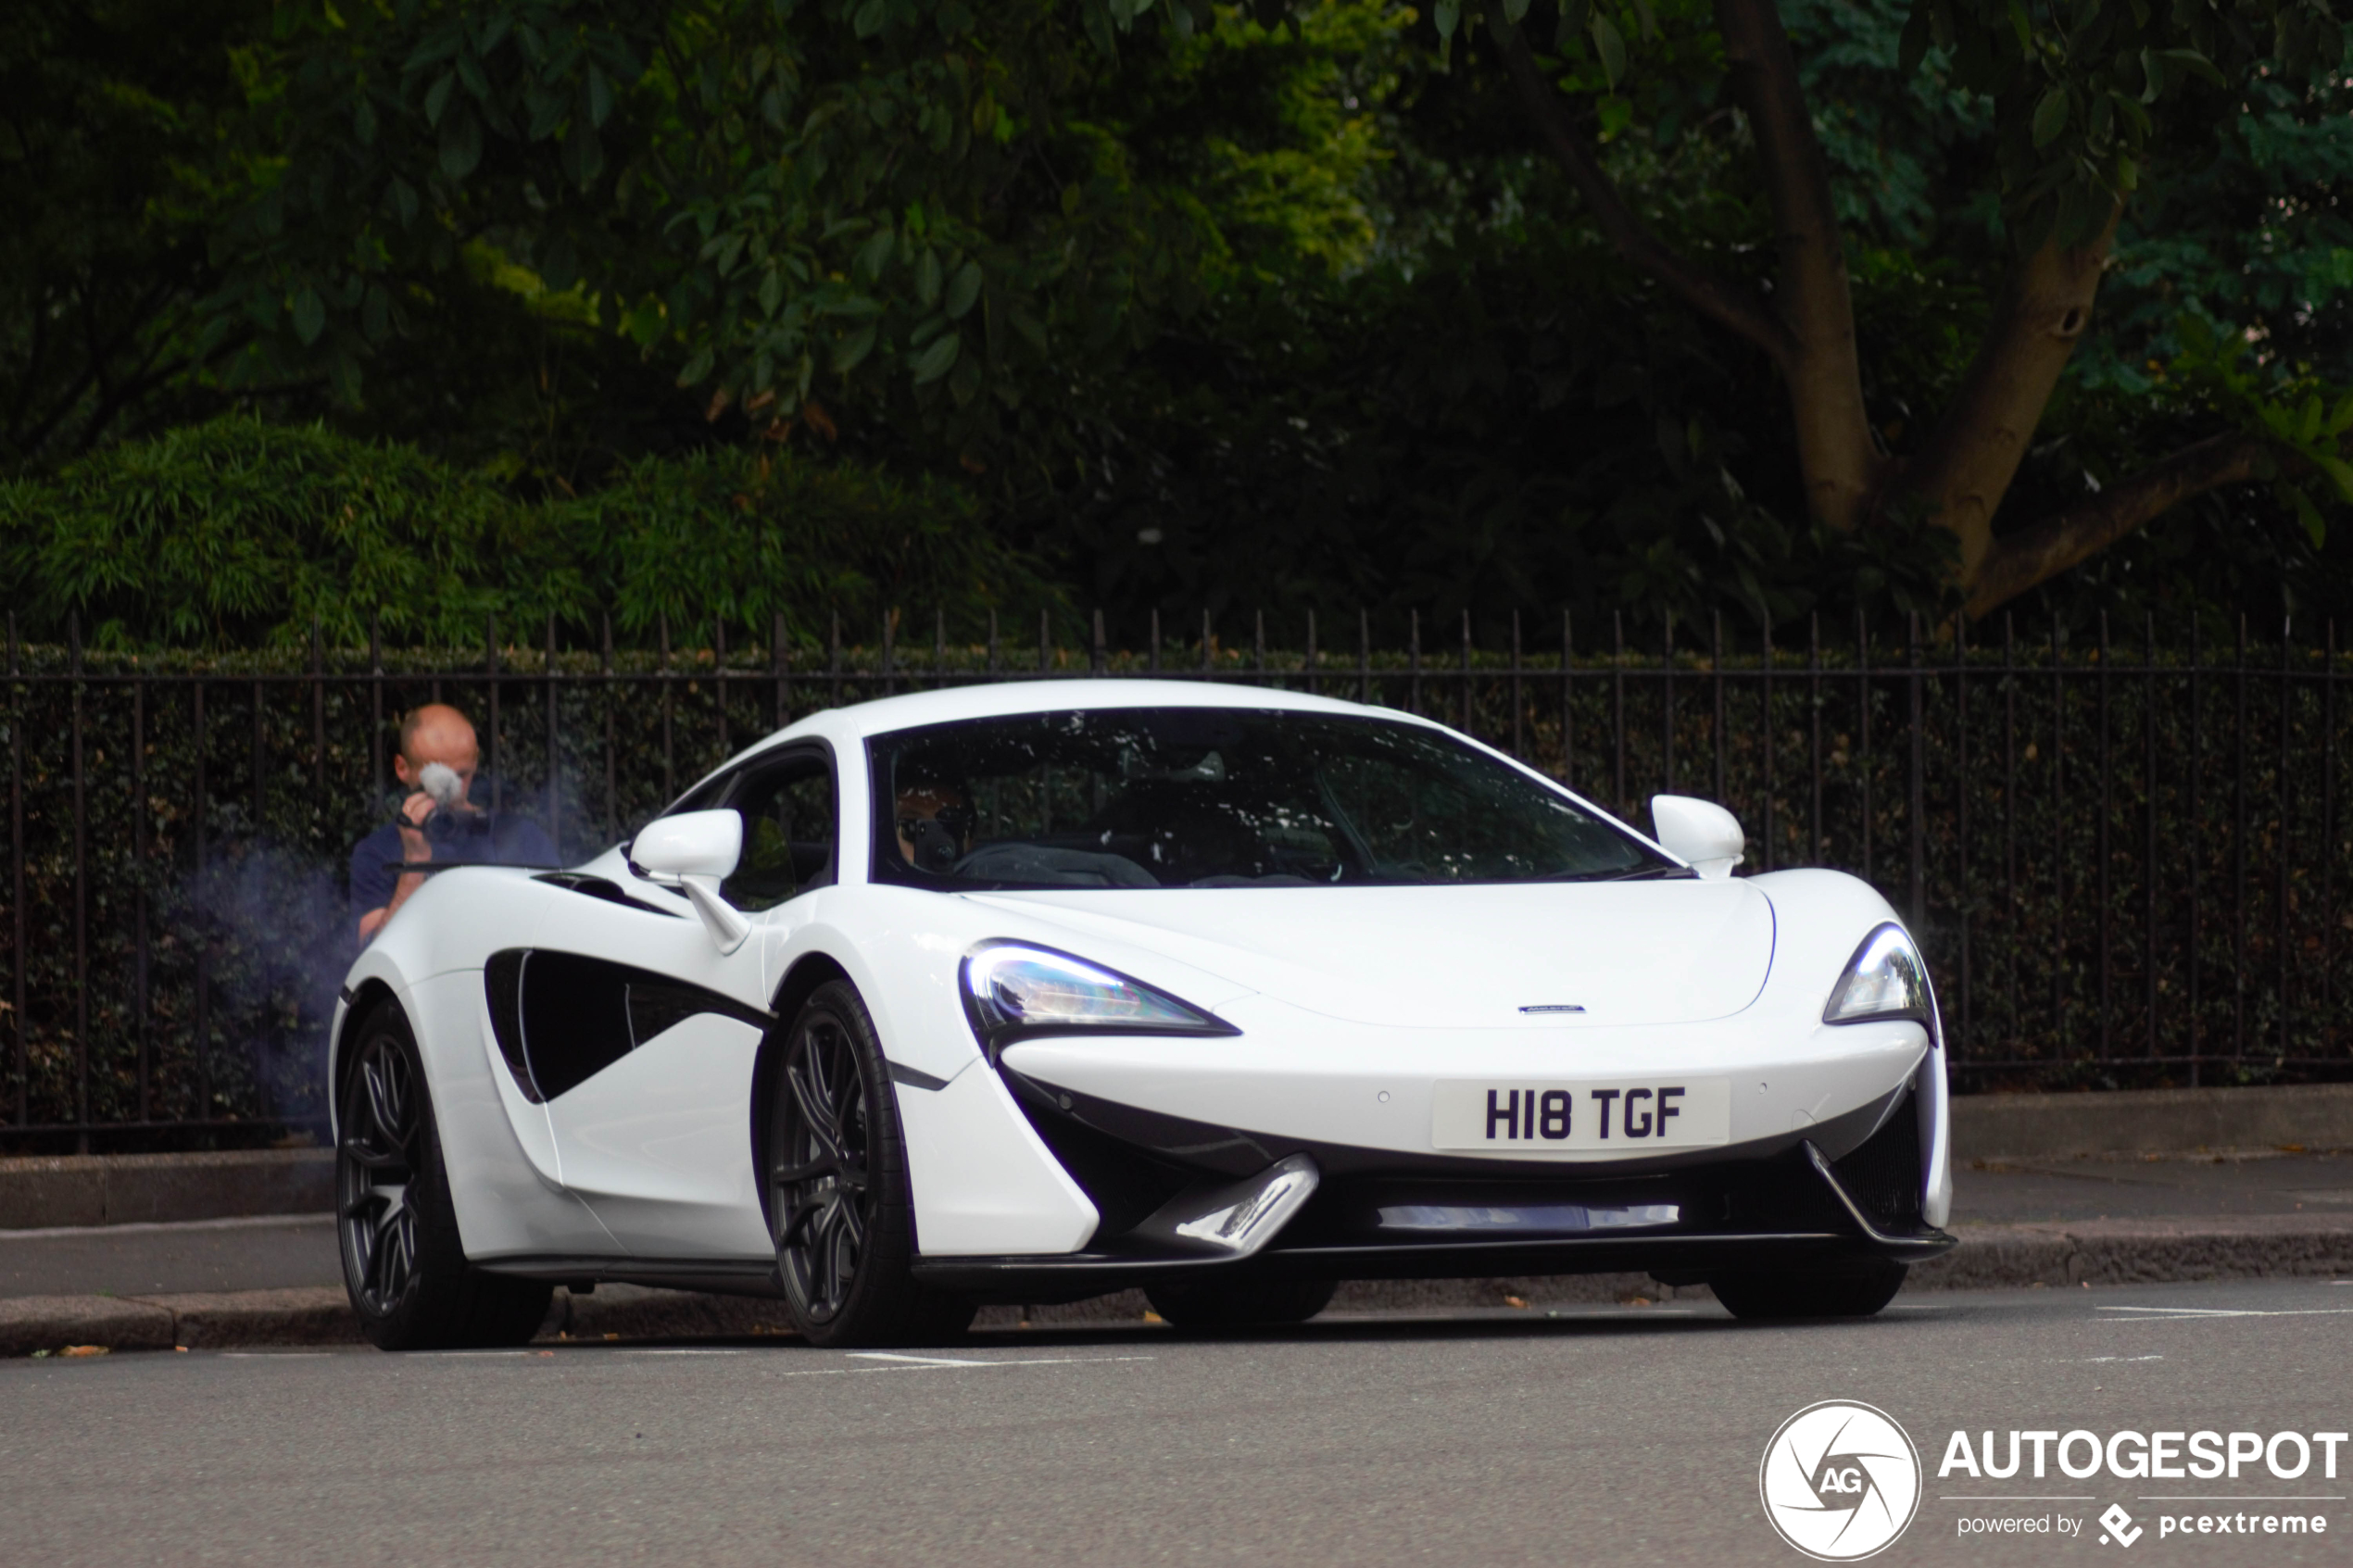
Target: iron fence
point(2122, 854)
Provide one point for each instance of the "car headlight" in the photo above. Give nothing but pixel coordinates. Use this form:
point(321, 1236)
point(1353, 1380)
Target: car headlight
point(1014, 991)
point(1884, 979)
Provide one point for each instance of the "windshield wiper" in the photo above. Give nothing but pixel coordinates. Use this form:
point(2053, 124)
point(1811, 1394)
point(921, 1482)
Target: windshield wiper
point(1639, 873)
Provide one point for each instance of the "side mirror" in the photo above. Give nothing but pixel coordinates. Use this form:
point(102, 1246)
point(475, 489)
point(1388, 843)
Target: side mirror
point(1699, 832)
point(693, 852)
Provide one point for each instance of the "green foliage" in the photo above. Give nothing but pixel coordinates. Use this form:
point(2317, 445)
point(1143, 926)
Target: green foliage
point(893, 193)
point(238, 533)
point(108, 160)
point(1277, 284)
point(2079, 91)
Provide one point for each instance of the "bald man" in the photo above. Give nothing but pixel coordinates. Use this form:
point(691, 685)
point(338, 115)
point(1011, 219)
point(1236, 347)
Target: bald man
point(435, 733)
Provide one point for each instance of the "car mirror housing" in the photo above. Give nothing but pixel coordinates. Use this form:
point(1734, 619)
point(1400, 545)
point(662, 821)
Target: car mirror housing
point(1700, 833)
point(694, 851)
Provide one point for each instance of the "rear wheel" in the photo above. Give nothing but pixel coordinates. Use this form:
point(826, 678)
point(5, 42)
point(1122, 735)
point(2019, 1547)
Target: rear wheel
point(403, 1264)
point(1847, 1290)
point(840, 1203)
point(1211, 1303)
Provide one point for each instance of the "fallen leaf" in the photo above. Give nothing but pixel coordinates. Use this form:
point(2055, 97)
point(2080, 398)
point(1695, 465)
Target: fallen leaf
point(78, 1350)
point(1150, 1316)
point(1515, 1301)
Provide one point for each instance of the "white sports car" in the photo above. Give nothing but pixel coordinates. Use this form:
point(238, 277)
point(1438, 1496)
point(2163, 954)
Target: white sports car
point(1026, 993)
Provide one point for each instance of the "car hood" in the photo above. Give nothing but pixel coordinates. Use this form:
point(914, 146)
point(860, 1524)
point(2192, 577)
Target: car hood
point(1617, 953)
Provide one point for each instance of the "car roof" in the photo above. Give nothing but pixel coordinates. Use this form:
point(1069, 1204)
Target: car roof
point(857, 721)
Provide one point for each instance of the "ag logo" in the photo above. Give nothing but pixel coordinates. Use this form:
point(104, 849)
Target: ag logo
point(1840, 1481)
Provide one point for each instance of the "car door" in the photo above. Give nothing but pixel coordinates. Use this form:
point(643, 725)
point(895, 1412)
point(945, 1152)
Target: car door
point(654, 1032)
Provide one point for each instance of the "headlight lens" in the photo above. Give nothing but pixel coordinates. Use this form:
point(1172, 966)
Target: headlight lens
point(1885, 979)
point(1012, 991)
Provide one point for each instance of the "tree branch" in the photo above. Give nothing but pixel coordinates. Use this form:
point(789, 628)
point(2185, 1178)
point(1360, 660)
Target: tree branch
point(2020, 562)
point(1728, 305)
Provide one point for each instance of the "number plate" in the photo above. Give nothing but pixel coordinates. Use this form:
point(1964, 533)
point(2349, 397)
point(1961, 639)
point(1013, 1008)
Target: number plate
point(1636, 1116)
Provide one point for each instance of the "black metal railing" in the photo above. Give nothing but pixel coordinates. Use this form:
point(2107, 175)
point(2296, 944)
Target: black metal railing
point(2122, 854)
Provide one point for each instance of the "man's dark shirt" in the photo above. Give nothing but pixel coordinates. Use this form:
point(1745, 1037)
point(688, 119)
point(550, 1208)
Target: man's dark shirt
point(517, 841)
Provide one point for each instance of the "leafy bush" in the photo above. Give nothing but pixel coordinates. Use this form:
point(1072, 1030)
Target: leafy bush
point(239, 534)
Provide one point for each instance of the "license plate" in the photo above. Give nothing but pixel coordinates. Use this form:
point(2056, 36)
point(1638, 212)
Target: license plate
point(1635, 1115)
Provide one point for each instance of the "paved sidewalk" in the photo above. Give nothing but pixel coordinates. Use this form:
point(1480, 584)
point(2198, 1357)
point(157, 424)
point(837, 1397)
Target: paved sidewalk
point(2119, 1187)
point(274, 1252)
point(2066, 1222)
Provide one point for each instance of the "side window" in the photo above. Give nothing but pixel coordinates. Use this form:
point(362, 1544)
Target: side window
point(789, 833)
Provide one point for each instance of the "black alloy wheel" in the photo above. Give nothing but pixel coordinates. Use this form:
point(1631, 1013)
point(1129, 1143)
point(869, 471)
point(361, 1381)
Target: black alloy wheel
point(838, 1202)
point(376, 1168)
point(404, 1264)
point(828, 1209)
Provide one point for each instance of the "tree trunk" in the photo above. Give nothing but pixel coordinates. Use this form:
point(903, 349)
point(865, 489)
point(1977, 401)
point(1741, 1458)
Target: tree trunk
point(1837, 452)
point(1974, 451)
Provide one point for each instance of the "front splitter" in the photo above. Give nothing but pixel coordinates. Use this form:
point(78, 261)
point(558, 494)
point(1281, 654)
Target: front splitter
point(1078, 1274)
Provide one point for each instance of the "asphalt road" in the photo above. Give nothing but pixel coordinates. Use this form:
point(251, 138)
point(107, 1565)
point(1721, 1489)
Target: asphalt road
point(1623, 1435)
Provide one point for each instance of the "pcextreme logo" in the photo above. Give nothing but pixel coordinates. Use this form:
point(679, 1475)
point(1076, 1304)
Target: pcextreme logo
point(1840, 1481)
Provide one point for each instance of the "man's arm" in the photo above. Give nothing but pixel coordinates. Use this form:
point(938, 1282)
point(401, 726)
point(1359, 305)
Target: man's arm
point(415, 851)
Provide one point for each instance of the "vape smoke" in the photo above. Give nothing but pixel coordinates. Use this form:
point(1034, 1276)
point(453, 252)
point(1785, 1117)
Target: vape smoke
point(440, 781)
point(280, 933)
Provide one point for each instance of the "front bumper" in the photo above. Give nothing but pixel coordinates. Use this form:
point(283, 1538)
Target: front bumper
point(1161, 1183)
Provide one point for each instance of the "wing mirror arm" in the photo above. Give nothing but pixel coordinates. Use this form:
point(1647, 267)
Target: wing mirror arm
point(693, 852)
point(726, 924)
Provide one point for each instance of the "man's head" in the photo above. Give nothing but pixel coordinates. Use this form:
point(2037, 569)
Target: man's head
point(436, 733)
point(924, 800)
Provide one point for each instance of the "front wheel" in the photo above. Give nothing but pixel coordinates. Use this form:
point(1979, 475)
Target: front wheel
point(840, 1203)
point(403, 1264)
point(1846, 1290)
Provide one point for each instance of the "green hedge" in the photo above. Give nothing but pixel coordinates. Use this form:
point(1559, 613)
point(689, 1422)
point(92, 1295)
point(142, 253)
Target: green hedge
point(240, 533)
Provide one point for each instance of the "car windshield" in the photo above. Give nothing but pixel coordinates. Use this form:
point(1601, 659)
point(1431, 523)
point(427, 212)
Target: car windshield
point(1221, 797)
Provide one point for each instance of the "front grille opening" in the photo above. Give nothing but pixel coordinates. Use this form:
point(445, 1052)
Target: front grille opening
point(1883, 1175)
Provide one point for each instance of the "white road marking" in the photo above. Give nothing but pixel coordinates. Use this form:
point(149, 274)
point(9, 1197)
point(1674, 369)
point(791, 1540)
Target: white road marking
point(2160, 1312)
point(2098, 1359)
point(1988, 1496)
point(941, 1363)
point(2219, 1497)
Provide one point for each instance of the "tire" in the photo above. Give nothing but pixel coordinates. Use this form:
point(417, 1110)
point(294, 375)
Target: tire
point(840, 1208)
point(1846, 1290)
point(1249, 1303)
point(403, 1264)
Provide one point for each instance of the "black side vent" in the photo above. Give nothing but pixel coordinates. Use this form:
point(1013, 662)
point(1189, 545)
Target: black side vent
point(502, 980)
point(562, 1018)
point(1883, 1175)
point(575, 1017)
